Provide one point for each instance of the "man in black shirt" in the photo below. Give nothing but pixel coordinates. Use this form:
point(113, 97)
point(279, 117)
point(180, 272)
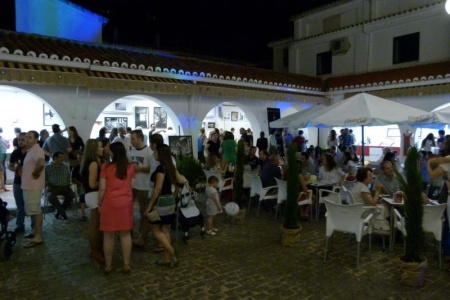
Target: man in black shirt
point(251, 159)
point(15, 164)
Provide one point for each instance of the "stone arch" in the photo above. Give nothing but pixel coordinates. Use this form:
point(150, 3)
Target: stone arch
point(39, 114)
point(129, 111)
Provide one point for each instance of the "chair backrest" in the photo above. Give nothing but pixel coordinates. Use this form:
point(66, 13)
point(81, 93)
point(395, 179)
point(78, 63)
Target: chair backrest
point(248, 178)
point(346, 218)
point(216, 173)
point(399, 222)
point(227, 184)
point(432, 219)
point(306, 201)
point(347, 195)
point(282, 190)
point(256, 186)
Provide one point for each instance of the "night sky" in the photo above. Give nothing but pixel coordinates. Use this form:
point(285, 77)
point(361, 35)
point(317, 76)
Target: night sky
point(230, 29)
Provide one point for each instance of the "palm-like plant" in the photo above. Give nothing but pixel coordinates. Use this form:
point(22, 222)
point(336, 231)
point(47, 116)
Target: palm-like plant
point(411, 188)
point(293, 189)
point(238, 180)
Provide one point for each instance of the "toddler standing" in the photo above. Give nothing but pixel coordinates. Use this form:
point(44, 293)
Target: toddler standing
point(213, 206)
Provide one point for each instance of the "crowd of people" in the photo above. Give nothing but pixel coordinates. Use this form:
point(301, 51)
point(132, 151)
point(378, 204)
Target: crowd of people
point(111, 173)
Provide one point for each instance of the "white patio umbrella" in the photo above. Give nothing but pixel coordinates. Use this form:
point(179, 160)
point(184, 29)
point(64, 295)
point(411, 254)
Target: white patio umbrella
point(441, 115)
point(367, 110)
point(300, 119)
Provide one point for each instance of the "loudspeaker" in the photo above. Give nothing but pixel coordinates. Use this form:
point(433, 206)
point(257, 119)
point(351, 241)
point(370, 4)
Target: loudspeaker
point(272, 115)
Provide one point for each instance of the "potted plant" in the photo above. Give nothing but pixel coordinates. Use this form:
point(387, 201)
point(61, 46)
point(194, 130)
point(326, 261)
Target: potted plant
point(412, 262)
point(190, 168)
point(238, 182)
point(291, 229)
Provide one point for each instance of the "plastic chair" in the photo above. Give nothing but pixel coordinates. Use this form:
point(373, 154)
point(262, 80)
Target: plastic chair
point(281, 195)
point(323, 198)
point(307, 201)
point(432, 223)
point(347, 218)
point(258, 190)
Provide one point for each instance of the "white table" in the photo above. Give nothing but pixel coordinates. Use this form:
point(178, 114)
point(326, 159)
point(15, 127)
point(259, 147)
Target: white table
point(392, 204)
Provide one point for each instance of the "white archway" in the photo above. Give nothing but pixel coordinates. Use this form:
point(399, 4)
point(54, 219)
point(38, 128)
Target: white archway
point(25, 110)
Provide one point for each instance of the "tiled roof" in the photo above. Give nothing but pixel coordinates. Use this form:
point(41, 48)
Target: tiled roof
point(150, 60)
point(385, 78)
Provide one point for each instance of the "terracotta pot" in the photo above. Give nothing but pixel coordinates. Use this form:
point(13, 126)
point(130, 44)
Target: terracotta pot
point(290, 237)
point(412, 273)
point(239, 218)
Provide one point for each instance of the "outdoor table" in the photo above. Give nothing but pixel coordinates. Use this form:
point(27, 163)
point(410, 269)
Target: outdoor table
point(315, 186)
point(392, 204)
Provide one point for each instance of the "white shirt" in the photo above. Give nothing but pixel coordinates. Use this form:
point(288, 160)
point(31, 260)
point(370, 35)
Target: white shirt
point(141, 158)
point(166, 134)
point(333, 176)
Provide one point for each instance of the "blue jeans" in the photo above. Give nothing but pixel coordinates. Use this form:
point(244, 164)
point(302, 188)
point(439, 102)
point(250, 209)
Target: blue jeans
point(20, 203)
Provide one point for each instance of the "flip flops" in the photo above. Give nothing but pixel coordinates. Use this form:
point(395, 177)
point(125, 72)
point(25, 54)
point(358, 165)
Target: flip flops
point(32, 244)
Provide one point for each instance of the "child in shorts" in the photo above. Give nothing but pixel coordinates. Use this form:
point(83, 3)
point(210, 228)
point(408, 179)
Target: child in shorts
point(213, 206)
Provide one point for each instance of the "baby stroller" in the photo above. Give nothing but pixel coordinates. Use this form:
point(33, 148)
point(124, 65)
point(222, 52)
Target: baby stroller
point(7, 239)
point(188, 213)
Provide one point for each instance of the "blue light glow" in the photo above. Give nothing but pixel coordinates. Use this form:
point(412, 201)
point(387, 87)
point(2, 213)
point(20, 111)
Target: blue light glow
point(58, 18)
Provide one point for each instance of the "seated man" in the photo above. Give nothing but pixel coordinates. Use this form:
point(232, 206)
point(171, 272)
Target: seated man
point(57, 179)
point(387, 179)
point(270, 171)
point(251, 159)
point(307, 165)
point(263, 158)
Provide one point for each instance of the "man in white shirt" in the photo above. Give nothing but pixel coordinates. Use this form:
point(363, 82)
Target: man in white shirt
point(123, 139)
point(140, 156)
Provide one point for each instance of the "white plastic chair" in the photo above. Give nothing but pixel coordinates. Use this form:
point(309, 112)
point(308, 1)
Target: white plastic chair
point(432, 223)
point(307, 201)
point(347, 218)
point(282, 194)
point(323, 198)
point(258, 190)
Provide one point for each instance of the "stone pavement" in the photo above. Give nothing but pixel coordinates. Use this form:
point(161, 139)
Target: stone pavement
point(242, 262)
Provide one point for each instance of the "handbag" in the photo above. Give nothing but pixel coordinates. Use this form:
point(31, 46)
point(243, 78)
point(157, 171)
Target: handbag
point(153, 216)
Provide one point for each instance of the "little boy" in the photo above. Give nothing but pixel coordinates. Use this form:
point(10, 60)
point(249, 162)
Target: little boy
point(213, 206)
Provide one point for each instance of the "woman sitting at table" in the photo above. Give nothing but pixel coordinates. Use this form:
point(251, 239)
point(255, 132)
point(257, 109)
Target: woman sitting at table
point(330, 171)
point(305, 210)
point(361, 194)
point(349, 166)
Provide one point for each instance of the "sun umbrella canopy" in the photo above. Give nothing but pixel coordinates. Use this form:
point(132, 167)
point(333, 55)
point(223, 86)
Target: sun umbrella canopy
point(368, 110)
point(442, 114)
point(300, 119)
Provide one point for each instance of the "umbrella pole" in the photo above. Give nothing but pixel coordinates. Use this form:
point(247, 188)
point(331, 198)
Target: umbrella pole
point(362, 145)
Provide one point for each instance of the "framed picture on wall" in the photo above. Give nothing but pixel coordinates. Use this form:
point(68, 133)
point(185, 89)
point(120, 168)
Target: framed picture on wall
point(115, 122)
point(48, 115)
point(234, 116)
point(141, 116)
point(120, 106)
point(159, 117)
point(212, 125)
point(181, 146)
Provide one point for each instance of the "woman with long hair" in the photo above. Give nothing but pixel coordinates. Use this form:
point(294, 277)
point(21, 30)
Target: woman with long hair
point(106, 157)
point(330, 171)
point(228, 149)
point(332, 139)
point(163, 201)
point(115, 200)
point(77, 145)
point(427, 143)
point(90, 174)
point(212, 147)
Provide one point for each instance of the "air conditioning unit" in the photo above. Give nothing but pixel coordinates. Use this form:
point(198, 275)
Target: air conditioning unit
point(340, 46)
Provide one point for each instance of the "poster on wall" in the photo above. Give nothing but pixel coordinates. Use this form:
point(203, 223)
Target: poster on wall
point(211, 125)
point(141, 117)
point(181, 146)
point(115, 122)
point(160, 117)
point(49, 117)
point(234, 116)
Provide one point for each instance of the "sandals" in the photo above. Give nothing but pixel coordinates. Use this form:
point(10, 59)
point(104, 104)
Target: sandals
point(211, 232)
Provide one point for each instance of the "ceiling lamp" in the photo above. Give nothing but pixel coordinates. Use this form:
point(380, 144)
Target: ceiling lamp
point(447, 6)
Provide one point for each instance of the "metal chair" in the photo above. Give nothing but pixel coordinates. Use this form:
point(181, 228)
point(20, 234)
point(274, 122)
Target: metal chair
point(347, 218)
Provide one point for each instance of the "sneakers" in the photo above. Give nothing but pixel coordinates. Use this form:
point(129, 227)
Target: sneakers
point(210, 232)
point(61, 216)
